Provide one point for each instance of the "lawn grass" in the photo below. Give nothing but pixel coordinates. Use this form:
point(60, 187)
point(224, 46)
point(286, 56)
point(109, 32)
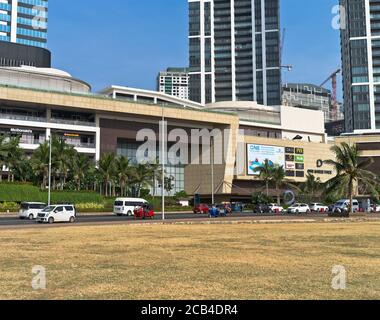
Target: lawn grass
point(245, 261)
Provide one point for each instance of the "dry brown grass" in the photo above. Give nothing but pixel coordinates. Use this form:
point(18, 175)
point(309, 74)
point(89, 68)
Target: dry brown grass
point(289, 261)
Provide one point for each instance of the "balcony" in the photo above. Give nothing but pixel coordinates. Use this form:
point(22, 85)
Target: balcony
point(73, 122)
point(22, 117)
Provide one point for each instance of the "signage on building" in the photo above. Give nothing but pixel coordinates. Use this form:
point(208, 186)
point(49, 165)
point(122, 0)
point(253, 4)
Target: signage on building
point(72, 135)
point(290, 166)
point(19, 130)
point(325, 172)
point(295, 162)
point(320, 164)
point(258, 154)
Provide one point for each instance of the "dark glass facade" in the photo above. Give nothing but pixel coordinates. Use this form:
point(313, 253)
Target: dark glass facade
point(235, 51)
point(361, 64)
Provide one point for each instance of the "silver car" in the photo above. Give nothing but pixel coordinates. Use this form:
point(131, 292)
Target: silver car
point(30, 210)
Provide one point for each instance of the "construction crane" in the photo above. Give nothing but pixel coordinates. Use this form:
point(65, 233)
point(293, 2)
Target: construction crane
point(333, 78)
point(282, 44)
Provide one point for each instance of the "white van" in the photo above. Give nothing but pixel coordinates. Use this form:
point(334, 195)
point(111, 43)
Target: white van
point(127, 206)
point(344, 204)
point(30, 210)
point(58, 213)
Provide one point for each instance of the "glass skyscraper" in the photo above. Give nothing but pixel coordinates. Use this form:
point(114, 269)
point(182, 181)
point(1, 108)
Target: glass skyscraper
point(360, 37)
point(235, 51)
point(24, 22)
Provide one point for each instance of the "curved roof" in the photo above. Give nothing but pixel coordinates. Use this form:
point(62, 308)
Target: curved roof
point(47, 71)
point(155, 96)
point(241, 106)
point(53, 79)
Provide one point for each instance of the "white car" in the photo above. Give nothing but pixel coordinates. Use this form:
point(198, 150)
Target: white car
point(58, 213)
point(30, 210)
point(344, 205)
point(318, 207)
point(127, 206)
point(299, 208)
point(274, 208)
point(375, 208)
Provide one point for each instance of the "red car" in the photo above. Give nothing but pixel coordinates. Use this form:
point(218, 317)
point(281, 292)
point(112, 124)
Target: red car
point(201, 208)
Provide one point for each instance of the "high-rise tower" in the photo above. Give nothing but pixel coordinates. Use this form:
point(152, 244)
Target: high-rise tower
point(235, 51)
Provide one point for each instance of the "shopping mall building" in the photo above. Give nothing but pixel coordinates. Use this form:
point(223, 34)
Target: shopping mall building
point(36, 103)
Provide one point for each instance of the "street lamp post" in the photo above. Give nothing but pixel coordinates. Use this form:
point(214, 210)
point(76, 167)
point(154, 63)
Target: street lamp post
point(163, 164)
point(212, 172)
point(49, 190)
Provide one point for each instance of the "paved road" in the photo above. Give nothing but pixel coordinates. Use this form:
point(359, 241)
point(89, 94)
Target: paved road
point(172, 217)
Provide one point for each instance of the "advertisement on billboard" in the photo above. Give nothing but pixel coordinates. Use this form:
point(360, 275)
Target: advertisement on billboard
point(257, 154)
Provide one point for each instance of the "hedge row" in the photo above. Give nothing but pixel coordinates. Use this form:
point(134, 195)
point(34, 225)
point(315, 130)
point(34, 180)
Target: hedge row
point(26, 192)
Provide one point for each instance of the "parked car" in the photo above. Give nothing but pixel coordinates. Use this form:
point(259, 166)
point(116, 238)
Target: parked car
point(274, 208)
point(344, 204)
point(30, 210)
point(260, 209)
point(237, 207)
point(299, 208)
point(215, 212)
point(127, 206)
point(57, 213)
point(375, 208)
point(318, 207)
point(201, 209)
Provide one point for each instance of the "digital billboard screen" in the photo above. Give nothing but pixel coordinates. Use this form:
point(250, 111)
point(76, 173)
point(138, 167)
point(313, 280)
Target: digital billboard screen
point(257, 154)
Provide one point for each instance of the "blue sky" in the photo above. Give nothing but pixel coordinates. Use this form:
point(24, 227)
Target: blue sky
point(126, 42)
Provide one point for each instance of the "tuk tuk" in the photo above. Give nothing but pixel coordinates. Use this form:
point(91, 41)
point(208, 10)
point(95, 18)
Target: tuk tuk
point(143, 212)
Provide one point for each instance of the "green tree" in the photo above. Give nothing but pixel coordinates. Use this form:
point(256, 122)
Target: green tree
point(311, 187)
point(23, 171)
point(81, 167)
point(261, 198)
point(142, 177)
point(106, 171)
point(265, 173)
point(278, 177)
point(156, 174)
point(351, 171)
point(169, 184)
point(40, 164)
point(63, 158)
point(124, 173)
point(13, 155)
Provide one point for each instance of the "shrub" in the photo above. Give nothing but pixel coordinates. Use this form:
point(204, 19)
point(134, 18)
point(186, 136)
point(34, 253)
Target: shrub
point(11, 206)
point(90, 207)
point(11, 192)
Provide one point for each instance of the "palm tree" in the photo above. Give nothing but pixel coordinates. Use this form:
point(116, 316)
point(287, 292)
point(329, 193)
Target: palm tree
point(279, 179)
point(3, 154)
point(312, 186)
point(351, 172)
point(63, 156)
point(156, 174)
point(12, 154)
point(81, 166)
point(142, 177)
point(106, 170)
point(123, 172)
point(40, 163)
point(23, 171)
point(265, 173)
